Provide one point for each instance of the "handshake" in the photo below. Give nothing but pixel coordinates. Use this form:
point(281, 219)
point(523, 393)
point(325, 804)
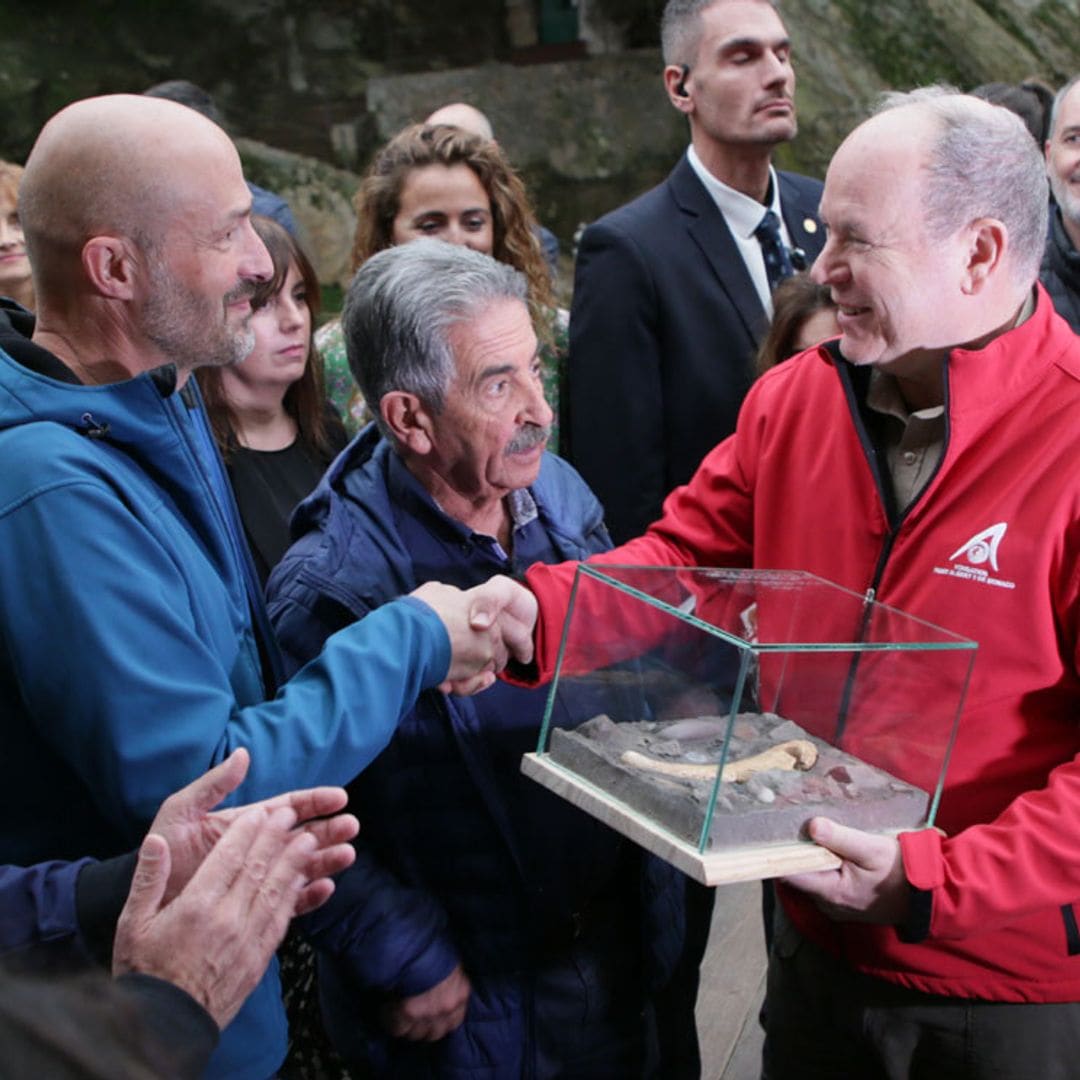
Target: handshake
point(488, 626)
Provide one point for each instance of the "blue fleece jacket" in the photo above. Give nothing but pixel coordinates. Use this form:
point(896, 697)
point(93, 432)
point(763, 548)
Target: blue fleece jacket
point(133, 651)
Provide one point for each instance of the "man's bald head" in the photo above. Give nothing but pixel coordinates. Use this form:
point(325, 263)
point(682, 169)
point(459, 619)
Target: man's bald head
point(463, 116)
point(936, 214)
point(976, 163)
point(138, 221)
point(118, 165)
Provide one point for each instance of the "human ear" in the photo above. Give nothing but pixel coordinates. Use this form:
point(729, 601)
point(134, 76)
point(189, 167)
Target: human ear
point(987, 240)
point(408, 420)
point(108, 264)
point(675, 76)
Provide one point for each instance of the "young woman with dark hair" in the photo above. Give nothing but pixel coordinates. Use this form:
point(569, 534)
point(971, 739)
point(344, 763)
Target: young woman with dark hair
point(269, 412)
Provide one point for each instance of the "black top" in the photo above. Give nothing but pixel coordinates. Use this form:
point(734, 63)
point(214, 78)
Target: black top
point(268, 484)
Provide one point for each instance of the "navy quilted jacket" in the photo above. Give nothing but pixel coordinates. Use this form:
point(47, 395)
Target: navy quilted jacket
point(444, 874)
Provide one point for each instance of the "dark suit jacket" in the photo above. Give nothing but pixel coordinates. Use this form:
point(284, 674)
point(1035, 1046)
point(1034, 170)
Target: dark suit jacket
point(663, 330)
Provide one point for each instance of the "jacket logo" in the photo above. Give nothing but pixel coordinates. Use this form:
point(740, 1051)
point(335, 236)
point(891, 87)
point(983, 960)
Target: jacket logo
point(983, 547)
point(970, 559)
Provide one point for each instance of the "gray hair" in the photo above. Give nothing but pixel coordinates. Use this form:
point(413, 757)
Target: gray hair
point(399, 310)
point(982, 163)
point(680, 29)
point(1059, 100)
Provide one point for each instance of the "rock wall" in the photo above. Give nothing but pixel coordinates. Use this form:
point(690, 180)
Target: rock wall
point(327, 81)
point(320, 197)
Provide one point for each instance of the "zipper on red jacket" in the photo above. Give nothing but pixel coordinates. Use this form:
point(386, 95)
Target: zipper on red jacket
point(878, 465)
point(876, 460)
point(1072, 931)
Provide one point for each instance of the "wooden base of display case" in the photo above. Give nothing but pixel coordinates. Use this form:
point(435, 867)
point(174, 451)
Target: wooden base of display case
point(752, 863)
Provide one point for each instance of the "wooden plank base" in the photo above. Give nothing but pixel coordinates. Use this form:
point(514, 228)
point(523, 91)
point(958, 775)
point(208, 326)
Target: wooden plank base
point(752, 863)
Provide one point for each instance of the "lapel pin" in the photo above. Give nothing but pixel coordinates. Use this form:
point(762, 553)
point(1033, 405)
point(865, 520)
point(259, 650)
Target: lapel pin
point(810, 225)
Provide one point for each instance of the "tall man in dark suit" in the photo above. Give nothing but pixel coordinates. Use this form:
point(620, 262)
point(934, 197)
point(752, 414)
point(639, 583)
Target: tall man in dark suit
point(672, 291)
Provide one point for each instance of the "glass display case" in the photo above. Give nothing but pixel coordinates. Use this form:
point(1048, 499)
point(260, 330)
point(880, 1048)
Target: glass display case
point(708, 714)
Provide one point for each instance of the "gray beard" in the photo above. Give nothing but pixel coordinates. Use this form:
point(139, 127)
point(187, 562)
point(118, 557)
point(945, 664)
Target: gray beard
point(1068, 203)
point(181, 326)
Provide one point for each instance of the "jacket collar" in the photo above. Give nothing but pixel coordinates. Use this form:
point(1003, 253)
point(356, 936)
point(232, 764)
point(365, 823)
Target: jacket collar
point(16, 329)
point(986, 380)
point(356, 494)
point(980, 380)
point(16, 332)
point(709, 231)
point(1064, 258)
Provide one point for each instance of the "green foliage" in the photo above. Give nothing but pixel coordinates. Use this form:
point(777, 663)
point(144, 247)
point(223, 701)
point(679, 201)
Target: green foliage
point(905, 43)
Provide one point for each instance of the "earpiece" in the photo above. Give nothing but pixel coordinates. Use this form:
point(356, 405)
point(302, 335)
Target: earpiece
point(798, 258)
point(680, 86)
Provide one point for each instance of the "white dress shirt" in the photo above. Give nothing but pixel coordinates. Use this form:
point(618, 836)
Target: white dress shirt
point(743, 215)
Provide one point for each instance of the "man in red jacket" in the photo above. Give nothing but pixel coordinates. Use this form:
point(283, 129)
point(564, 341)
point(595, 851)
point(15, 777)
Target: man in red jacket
point(930, 456)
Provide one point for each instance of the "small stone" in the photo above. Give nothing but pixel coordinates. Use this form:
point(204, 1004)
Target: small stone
point(762, 792)
point(839, 774)
point(665, 748)
point(599, 727)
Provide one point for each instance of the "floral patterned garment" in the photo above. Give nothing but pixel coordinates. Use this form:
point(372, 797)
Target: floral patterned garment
point(341, 388)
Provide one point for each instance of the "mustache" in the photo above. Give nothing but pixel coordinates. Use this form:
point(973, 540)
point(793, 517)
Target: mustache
point(244, 291)
point(528, 437)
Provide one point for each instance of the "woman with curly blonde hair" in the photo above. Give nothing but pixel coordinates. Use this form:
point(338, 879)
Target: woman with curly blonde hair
point(441, 181)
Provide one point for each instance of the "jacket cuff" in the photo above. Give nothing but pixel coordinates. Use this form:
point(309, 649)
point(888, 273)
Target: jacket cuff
point(916, 927)
point(182, 1033)
point(924, 869)
point(101, 890)
point(519, 674)
point(442, 654)
point(924, 864)
point(434, 965)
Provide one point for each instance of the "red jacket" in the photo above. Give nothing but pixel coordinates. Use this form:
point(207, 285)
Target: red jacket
point(795, 488)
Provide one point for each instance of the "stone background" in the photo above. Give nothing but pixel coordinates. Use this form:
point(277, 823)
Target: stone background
point(312, 89)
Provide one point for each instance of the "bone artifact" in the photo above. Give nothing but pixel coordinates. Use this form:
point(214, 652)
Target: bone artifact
point(790, 755)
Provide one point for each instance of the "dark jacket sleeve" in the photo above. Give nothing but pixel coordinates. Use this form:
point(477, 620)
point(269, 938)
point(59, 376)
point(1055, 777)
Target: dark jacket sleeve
point(302, 618)
point(613, 380)
point(92, 1027)
point(74, 905)
point(100, 894)
point(381, 934)
point(37, 904)
point(180, 1034)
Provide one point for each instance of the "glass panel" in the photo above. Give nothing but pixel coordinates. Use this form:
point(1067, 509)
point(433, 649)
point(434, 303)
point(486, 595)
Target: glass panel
point(727, 707)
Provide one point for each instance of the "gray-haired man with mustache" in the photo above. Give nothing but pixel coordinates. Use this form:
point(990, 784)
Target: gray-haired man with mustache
point(487, 922)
